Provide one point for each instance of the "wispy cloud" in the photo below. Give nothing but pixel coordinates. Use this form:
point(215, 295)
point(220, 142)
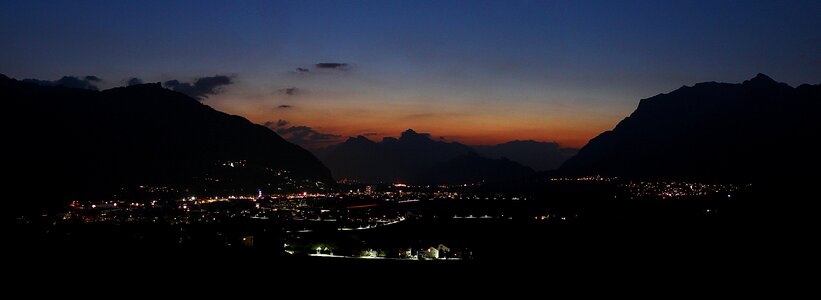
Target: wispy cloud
point(202, 87)
point(291, 91)
point(303, 135)
point(276, 124)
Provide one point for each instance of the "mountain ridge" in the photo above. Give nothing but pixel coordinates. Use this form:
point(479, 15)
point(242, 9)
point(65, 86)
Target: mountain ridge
point(412, 155)
point(745, 131)
point(91, 142)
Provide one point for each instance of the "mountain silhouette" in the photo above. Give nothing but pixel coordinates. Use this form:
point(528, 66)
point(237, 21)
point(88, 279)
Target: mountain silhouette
point(541, 156)
point(70, 144)
point(754, 131)
point(403, 159)
point(412, 156)
point(472, 168)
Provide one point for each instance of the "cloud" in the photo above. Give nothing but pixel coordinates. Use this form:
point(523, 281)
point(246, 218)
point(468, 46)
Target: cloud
point(86, 83)
point(274, 125)
point(303, 135)
point(291, 91)
point(284, 106)
point(306, 134)
point(202, 87)
point(134, 81)
point(333, 66)
point(369, 133)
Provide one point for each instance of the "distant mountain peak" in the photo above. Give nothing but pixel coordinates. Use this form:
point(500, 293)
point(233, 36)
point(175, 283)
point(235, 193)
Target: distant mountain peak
point(413, 155)
point(149, 85)
point(359, 139)
point(410, 134)
point(760, 79)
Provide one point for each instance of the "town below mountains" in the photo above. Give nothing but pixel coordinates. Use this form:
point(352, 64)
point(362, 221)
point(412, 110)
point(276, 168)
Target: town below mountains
point(143, 171)
point(95, 143)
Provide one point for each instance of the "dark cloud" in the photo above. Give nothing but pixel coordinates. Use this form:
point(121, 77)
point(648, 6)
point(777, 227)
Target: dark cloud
point(322, 66)
point(134, 81)
point(284, 106)
point(334, 66)
point(291, 91)
point(303, 135)
point(274, 125)
point(307, 134)
point(370, 133)
point(86, 83)
point(202, 87)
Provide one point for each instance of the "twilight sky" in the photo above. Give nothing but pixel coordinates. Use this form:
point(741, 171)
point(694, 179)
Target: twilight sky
point(478, 72)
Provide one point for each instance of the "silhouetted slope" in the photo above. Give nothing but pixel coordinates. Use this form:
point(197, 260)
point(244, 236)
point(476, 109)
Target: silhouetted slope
point(541, 156)
point(756, 130)
point(472, 168)
point(70, 142)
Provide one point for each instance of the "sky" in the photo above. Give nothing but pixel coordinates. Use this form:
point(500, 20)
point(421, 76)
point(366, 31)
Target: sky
point(477, 72)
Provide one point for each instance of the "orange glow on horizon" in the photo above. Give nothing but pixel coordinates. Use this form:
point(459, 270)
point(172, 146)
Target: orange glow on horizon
point(448, 121)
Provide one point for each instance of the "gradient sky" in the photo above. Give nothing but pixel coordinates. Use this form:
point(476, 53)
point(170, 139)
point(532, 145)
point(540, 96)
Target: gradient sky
point(471, 71)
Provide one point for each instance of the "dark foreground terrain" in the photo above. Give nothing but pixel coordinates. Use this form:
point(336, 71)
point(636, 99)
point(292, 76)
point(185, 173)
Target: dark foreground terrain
point(751, 240)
